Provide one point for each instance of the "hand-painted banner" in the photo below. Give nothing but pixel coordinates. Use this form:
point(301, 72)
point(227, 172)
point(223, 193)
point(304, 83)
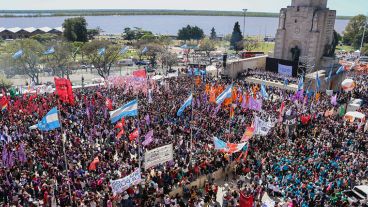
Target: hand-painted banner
point(261, 127)
point(158, 156)
point(120, 185)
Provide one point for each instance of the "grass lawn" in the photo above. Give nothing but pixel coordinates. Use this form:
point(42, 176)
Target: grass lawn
point(347, 48)
point(265, 47)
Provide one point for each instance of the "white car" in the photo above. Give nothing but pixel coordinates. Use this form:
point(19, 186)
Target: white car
point(359, 195)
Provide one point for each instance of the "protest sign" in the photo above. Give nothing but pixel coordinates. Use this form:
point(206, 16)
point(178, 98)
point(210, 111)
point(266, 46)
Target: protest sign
point(120, 185)
point(158, 156)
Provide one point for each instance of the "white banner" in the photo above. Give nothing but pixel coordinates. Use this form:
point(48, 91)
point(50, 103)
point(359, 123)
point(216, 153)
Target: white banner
point(120, 185)
point(261, 127)
point(158, 156)
point(285, 70)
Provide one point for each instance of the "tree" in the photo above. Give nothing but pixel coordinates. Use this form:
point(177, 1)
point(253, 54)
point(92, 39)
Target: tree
point(28, 63)
point(236, 38)
point(213, 35)
point(77, 50)
point(153, 50)
point(137, 34)
point(60, 59)
point(169, 59)
point(354, 31)
point(42, 38)
point(92, 33)
point(365, 50)
point(250, 44)
point(75, 29)
point(207, 45)
point(190, 33)
point(4, 82)
point(102, 63)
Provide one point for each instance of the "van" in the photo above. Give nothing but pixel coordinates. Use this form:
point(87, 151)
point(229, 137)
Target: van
point(126, 62)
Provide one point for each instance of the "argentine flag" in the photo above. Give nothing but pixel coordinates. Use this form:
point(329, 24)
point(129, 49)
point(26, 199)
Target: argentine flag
point(340, 70)
point(124, 50)
point(17, 54)
point(129, 109)
point(224, 95)
point(101, 51)
point(49, 122)
point(300, 83)
point(145, 49)
point(185, 105)
point(263, 91)
point(50, 51)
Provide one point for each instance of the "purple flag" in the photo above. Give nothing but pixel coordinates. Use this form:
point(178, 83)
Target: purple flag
point(217, 109)
point(198, 102)
point(148, 138)
point(4, 155)
point(21, 154)
point(255, 104)
point(334, 100)
point(148, 120)
point(244, 102)
point(10, 162)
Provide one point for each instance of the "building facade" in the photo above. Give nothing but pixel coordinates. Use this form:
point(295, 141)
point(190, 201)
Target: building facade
point(19, 33)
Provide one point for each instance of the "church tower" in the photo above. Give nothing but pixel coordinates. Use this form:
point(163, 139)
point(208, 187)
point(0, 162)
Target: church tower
point(305, 29)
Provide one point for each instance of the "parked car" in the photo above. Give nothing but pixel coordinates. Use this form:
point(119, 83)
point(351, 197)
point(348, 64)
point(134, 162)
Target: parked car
point(126, 62)
point(141, 63)
point(359, 195)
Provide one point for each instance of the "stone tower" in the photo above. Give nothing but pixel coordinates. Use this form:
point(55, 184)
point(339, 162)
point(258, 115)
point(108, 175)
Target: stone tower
point(305, 29)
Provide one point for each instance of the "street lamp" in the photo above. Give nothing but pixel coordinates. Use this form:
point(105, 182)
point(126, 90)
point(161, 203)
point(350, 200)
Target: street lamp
point(362, 42)
point(244, 11)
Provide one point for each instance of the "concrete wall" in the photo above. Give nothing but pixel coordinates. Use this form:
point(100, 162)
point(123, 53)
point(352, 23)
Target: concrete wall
point(233, 68)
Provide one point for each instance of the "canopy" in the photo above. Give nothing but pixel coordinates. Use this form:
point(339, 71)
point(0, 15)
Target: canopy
point(352, 115)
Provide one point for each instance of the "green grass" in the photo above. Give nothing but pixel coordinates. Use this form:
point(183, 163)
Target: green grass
point(265, 47)
point(347, 48)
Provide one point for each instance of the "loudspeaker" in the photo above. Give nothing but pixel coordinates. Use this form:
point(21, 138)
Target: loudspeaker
point(224, 59)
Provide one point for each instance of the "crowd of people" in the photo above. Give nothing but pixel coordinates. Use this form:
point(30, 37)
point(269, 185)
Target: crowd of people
point(302, 164)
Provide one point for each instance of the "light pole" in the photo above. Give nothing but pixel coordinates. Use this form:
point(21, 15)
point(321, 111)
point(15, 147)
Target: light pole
point(244, 11)
point(362, 42)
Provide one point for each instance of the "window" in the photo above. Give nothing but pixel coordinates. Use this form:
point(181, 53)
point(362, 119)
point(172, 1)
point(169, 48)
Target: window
point(297, 8)
point(296, 20)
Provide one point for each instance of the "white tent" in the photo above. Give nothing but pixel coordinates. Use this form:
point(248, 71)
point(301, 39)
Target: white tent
point(353, 115)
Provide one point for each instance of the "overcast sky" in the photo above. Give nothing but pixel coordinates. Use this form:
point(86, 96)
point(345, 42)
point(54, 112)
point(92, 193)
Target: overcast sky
point(343, 7)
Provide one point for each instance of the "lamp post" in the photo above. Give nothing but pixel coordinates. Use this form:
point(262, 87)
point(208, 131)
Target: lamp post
point(244, 11)
point(362, 42)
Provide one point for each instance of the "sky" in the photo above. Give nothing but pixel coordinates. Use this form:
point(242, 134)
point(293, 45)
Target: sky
point(343, 7)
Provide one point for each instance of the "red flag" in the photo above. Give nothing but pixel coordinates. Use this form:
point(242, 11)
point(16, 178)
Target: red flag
point(246, 201)
point(120, 124)
point(305, 119)
point(64, 90)
point(118, 136)
point(133, 135)
point(281, 111)
point(93, 164)
point(140, 73)
point(108, 103)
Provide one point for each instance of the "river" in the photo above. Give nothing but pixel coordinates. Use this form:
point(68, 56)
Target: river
point(162, 24)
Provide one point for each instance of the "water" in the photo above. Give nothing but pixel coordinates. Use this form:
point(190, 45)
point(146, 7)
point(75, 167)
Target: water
point(158, 24)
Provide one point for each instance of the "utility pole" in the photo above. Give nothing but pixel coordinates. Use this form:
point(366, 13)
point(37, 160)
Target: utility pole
point(362, 42)
point(244, 11)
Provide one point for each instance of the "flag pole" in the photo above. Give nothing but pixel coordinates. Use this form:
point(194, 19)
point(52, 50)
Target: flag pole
point(63, 140)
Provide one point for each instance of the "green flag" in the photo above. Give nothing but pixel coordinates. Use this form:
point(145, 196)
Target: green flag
point(342, 110)
point(13, 92)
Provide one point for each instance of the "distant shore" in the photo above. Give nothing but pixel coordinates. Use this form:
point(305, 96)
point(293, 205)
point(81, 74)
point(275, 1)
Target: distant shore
point(131, 12)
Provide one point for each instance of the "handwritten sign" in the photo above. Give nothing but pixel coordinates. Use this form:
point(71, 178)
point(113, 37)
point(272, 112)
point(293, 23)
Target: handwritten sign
point(120, 185)
point(158, 156)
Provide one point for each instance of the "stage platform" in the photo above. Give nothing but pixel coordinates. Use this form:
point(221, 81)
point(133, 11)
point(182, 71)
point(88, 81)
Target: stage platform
point(292, 87)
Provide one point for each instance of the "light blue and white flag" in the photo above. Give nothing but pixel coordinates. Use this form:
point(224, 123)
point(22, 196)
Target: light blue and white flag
point(17, 54)
point(101, 51)
point(129, 109)
point(224, 95)
point(145, 49)
point(263, 91)
point(300, 83)
point(318, 82)
point(124, 50)
point(340, 70)
point(49, 51)
point(329, 75)
point(49, 122)
point(185, 105)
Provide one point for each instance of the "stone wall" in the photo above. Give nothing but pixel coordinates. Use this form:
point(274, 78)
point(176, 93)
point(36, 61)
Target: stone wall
point(233, 68)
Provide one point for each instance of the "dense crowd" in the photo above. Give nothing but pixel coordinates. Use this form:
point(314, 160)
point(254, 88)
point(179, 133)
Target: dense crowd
point(306, 164)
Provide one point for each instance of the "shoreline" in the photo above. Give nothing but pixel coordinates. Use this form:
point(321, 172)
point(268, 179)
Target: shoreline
point(63, 13)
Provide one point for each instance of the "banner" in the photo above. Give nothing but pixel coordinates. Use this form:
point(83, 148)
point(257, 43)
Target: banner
point(285, 70)
point(158, 156)
point(261, 127)
point(255, 104)
point(120, 185)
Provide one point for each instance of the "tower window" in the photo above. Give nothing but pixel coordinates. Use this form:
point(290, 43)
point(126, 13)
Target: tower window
point(296, 20)
point(297, 8)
